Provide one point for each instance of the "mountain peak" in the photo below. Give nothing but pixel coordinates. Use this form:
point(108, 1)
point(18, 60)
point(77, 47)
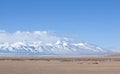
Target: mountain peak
point(58, 42)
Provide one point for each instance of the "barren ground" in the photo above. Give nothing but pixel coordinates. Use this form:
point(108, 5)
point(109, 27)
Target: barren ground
point(47, 65)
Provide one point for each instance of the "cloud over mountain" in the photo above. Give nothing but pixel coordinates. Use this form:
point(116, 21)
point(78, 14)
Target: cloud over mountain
point(26, 36)
point(44, 43)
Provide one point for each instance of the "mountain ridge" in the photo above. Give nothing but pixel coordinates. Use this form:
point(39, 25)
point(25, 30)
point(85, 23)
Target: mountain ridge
point(60, 47)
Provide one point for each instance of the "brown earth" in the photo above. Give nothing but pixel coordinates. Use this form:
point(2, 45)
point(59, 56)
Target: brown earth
point(47, 65)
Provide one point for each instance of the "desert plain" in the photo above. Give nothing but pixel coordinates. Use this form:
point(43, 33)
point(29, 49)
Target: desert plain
point(59, 65)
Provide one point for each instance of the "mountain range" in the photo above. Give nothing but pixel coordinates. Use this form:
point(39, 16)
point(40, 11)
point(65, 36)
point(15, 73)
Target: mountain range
point(57, 48)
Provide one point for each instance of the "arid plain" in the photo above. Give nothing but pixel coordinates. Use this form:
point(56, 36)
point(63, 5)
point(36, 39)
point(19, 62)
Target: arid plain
point(54, 65)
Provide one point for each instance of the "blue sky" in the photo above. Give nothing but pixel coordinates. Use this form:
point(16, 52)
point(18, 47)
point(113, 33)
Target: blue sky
point(93, 21)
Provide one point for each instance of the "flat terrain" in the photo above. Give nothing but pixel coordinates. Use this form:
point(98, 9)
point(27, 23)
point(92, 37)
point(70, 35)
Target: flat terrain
point(47, 65)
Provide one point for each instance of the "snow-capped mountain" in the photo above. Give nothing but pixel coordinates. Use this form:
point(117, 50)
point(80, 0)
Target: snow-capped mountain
point(60, 48)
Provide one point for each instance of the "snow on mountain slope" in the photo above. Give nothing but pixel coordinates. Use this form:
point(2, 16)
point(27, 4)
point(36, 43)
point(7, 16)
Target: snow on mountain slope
point(60, 47)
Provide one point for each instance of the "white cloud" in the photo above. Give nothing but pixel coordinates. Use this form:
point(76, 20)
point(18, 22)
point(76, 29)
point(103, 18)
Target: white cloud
point(25, 36)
